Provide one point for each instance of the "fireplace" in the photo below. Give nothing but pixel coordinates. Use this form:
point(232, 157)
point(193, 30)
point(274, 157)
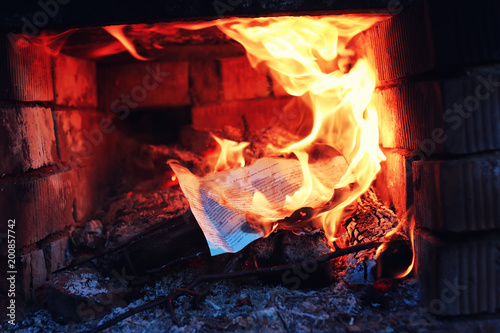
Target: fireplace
point(84, 114)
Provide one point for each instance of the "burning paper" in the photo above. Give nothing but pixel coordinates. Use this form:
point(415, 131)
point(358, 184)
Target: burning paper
point(237, 206)
point(310, 58)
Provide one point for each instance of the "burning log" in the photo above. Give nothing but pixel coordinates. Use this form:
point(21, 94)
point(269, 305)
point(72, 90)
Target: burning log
point(137, 229)
point(176, 240)
point(372, 221)
point(170, 237)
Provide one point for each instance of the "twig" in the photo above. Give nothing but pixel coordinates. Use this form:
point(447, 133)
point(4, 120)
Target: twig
point(175, 261)
point(233, 275)
point(300, 314)
point(282, 320)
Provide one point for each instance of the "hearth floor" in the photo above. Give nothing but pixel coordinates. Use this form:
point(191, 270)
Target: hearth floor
point(270, 308)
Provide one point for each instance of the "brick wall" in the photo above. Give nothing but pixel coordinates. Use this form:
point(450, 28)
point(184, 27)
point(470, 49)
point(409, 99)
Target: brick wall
point(438, 98)
point(221, 90)
point(55, 164)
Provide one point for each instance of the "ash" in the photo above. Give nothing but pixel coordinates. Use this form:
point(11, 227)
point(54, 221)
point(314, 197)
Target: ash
point(261, 306)
point(254, 305)
point(86, 284)
point(233, 306)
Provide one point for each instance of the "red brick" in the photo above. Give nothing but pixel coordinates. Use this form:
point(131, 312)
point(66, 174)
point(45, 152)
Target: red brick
point(205, 81)
point(25, 277)
point(394, 183)
point(434, 35)
point(23, 287)
point(27, 139)
point(241, 81)
point(82, 134)
point(259, 114)
point(136, 83)
point(87, 141)
point(398, 47)
point(41, 206)
point(458, 195)
point(64, 305)
point(474, 28)
point(56, 252)
point(91, 185)
point(38, 269)
point(25, 70)
point(472, 264)
point(75, 82)
point(423, 116)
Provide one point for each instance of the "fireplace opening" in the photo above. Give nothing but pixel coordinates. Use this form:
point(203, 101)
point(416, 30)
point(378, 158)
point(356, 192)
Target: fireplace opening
point(274, 169)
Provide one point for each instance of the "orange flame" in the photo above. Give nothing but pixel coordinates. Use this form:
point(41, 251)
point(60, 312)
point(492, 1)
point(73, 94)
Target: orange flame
point(412, 242)
point(52, 42)
point(230, 154)
point(408, 223)
point(310, 58)
point(117, 32)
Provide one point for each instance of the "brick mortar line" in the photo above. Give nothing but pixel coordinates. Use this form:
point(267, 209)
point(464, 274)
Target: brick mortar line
point(442, 157)
point(93, 109)
point(455, 72)
point(449, 237)
point(234, 50)
point(43, 243)
point(29, 104)
point(223, 103)
point(399, 151)
point(489, 154)
point(34, 174)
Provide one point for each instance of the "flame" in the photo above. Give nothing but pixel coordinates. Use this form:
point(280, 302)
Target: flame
point(311, 58)
point(229, 155)
point(117, 31)
point(51, 41)
point(412, 242)
point(408, 223)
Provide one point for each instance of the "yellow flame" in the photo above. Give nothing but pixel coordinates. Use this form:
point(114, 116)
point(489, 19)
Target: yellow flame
point(310, 57)
point(412, 242)
point(230, 154)
point(409, 224)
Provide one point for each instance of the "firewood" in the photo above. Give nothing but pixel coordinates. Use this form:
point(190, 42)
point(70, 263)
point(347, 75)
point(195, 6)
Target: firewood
point(181, 237)
point(166, 243)
point(372, 221)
